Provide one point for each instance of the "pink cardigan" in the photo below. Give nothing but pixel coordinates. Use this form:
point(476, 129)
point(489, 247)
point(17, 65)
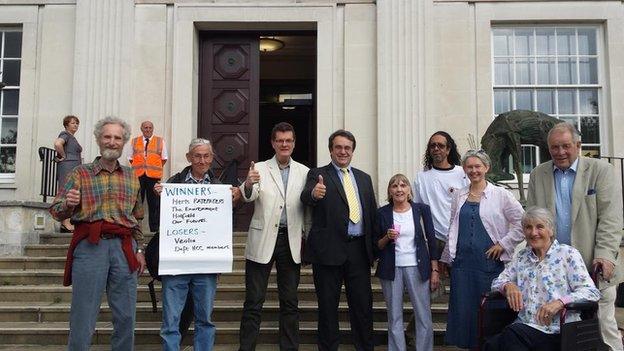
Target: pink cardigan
point(501, 214)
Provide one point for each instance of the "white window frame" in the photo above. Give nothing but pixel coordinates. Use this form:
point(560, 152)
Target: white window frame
point(600, 86)
point(9, 177)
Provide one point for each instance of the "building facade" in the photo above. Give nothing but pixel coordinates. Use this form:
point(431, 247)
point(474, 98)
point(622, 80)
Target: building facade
point(391, 71)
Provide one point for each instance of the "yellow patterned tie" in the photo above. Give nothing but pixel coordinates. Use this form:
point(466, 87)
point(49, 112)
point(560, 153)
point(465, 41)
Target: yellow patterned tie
point(352, 200)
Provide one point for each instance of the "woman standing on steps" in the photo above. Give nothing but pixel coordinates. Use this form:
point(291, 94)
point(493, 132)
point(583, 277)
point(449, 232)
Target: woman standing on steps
point(67, 156)
point(484, 231)
point(405, 262)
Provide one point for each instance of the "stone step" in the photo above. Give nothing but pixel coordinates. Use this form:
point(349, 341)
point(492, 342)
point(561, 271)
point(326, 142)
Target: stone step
point(224, 311)
point(57, 293)
point(65, 238)
point(55, 276)
point(227, 347)
point(60, 250)
point(58, 262)
point(146, 333)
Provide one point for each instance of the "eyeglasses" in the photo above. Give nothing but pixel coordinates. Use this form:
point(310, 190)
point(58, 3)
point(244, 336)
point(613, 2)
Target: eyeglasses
point(437, 146)
point(199, 157)
point(480, 153)
point(284, 141)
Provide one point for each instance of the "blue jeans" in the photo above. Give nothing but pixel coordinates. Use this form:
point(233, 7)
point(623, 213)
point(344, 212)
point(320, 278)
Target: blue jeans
point(96, 268)
point(175, 288)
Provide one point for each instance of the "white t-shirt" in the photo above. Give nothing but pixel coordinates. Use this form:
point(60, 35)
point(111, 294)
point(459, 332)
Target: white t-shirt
point(435, 187)
point(405, 248)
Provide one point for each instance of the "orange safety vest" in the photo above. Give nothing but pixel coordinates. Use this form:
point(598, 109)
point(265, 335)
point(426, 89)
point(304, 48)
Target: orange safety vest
point(148, 161)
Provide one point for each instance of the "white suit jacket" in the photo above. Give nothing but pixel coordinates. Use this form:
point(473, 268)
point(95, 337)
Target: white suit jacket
point(269, 197)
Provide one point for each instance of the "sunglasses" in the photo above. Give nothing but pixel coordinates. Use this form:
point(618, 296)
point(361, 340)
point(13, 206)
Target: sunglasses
point(473, 151)
point(437, 146)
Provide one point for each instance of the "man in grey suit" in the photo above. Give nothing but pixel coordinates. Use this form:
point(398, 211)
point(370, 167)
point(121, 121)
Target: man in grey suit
point(586, 200)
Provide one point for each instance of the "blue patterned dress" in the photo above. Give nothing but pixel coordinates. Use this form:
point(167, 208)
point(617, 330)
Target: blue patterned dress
point(471, 276)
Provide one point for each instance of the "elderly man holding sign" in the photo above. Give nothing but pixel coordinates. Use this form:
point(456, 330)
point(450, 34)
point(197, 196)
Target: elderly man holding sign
point(201, 287)
point(274, 237)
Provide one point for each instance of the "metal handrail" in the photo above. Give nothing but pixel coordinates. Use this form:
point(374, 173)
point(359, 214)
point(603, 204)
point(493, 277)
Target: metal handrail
point(48, 172)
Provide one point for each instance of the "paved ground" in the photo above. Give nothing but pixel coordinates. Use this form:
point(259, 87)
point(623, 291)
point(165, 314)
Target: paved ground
point(619, 314)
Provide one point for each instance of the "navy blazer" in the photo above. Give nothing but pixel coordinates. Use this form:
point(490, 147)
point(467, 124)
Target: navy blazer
point(385, 267)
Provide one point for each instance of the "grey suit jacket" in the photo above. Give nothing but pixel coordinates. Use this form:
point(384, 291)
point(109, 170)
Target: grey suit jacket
point(596, 209)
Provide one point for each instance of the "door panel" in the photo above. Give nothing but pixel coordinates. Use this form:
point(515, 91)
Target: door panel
point(228, 116)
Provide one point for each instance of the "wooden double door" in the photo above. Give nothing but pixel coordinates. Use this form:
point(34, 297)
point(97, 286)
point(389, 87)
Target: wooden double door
point(229, 106)
point(230, 110)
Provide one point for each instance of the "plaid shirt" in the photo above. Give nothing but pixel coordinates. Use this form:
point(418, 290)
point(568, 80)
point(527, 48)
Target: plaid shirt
point(109, 196)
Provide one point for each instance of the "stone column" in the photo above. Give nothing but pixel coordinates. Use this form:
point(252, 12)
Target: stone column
point(102, 62)
point(401, 58)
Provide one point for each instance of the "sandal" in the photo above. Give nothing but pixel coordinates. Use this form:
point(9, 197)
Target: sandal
point(64, 229)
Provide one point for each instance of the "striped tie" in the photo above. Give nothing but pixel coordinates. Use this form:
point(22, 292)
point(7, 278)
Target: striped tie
point(352, 200)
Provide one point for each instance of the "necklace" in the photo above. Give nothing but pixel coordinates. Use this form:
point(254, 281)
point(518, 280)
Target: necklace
point(477, 195)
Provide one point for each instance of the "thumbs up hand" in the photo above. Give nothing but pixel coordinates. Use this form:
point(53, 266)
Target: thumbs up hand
point(72, 198)
point(253, 176)
point(319, 189)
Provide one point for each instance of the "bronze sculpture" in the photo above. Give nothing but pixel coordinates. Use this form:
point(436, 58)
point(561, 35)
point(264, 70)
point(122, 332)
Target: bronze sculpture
point(506, 135)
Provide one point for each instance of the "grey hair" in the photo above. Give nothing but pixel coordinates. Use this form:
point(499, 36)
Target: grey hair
point(541, 215)
point(565, 127)
point(480, 154)
point(198, 142)
point(99, 125)
point(399, 178)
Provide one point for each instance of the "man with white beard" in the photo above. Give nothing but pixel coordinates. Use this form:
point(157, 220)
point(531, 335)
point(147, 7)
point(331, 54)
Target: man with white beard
point(106, 251)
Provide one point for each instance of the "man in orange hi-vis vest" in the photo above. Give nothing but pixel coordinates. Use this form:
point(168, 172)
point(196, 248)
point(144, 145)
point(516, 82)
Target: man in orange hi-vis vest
point(148, 157)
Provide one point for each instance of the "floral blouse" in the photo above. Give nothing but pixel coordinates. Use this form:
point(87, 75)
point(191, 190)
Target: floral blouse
point(560, 275)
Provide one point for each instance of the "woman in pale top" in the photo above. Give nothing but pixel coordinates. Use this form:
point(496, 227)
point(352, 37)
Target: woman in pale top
point(540, 280)
point(407, 261)
point(483, 233)
point(67, 156)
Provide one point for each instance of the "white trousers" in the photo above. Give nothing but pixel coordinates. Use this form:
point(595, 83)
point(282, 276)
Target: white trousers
point(606, 315)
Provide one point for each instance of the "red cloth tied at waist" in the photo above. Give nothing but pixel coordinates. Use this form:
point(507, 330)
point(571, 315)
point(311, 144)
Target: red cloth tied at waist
point(92, 232)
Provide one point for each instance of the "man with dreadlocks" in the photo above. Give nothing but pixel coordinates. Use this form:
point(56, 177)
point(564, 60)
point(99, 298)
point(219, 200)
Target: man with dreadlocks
point(441, 177)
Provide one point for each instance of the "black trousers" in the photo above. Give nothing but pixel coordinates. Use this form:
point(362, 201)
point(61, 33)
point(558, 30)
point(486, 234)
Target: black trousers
point(153, 201)
point(256, 281)
point(356, 274)
point(521, 337)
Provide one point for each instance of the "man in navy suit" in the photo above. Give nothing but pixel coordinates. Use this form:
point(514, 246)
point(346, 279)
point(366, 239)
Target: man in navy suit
point(340, 245)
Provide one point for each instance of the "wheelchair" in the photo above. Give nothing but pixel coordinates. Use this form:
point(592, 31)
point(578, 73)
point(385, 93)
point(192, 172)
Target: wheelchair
point(584, 335)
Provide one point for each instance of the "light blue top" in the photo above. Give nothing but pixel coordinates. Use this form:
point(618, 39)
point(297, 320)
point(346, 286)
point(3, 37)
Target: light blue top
point(284, 172)
point(564, 183)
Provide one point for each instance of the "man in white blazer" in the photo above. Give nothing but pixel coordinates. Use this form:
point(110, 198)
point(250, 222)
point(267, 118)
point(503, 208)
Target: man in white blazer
point(275, 233)
point(585, 198)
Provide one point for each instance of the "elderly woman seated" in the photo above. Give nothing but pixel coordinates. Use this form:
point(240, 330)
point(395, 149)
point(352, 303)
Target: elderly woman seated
point(538, 282)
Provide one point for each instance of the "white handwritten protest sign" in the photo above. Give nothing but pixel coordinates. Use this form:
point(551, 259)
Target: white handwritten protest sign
point(195, 229)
